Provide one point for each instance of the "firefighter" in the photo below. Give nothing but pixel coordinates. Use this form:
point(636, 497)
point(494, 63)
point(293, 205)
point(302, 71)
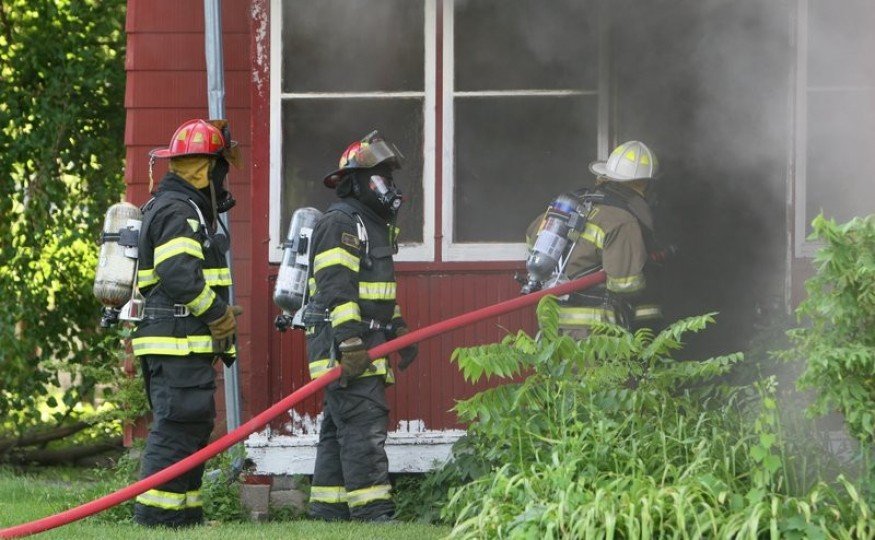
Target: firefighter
point(619, 237)
point(187, 322)
point(353, 309)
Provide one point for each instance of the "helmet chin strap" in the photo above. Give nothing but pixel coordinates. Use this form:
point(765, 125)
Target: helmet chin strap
point(213, 204)
point(151, 179)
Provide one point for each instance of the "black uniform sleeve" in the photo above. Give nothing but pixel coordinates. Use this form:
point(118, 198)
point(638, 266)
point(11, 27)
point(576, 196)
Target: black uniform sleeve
point(178, 259)
point(336, 262)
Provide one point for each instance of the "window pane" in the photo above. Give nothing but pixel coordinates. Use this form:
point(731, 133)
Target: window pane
point(316, 132)
point(513, 155)
point(841, 130)
point(365, 46)
point(519, 44)
point(840, 43)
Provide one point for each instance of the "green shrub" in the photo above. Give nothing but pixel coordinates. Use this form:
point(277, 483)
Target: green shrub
point(610, 437)
point(839, 342)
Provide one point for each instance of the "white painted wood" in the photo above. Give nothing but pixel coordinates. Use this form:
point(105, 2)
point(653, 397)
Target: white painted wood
point(296, 454)
point(408, 251)
point(275, 250)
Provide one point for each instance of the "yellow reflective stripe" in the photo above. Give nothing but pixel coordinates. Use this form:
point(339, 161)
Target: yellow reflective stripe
point(194, 224)
point(173, 346)
point(218, 277)
point(202, 302)
point(335, 256)
point(311, 283)
point(147, 278)
point(594, 234)
point(381, 367)
point(377, 290)
point(647, 311)
point(328, 494)
point(193, 499)
point(319, 368)
point(162, 499)
point(397, 313)
point(364, 496)
point(345, 313)
point(626, 284)
point(584, 316)
point(178, 246)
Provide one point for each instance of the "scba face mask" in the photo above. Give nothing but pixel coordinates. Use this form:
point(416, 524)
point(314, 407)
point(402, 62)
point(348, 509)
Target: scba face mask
point(388, 195)
point(218, 172)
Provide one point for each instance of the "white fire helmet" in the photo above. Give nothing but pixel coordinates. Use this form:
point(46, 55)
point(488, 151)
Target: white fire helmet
point(632, 160)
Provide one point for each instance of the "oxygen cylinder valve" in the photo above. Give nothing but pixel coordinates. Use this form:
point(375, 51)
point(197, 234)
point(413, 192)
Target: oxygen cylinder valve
point(283, 322)
point(109, 316)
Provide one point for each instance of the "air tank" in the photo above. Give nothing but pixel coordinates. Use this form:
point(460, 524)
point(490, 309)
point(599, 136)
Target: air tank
point(291, 282)
point(117, 261)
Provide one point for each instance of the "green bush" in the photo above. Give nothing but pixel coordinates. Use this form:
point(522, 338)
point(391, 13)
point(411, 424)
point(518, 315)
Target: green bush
point(839, 342)
point(610, 437)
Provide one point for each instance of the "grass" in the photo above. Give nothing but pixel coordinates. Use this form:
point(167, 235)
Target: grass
point(36, 494)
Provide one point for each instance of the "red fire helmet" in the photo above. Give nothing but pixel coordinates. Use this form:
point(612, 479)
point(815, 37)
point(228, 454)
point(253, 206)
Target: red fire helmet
point(193, 138)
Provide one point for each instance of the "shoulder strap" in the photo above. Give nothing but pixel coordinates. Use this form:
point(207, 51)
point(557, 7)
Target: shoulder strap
point(166, 197)
point(610, 199)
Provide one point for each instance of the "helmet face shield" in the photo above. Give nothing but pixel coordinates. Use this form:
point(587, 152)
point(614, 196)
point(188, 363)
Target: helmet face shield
point(373, 154)
point(367, 153)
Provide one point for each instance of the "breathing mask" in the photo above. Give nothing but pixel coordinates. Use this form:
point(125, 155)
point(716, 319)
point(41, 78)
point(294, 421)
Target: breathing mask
point(224, 200)
point(387, 193)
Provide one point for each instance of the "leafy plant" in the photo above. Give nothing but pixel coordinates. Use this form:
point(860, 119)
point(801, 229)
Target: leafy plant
point(610, 437)
point(839, 342)
point(61, 127)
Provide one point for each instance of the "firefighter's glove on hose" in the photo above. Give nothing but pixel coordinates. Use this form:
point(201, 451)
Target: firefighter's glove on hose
point(408, 353)
point(354, 359)
point(224, 328)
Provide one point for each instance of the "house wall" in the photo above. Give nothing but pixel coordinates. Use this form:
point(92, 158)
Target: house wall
point(167, 85)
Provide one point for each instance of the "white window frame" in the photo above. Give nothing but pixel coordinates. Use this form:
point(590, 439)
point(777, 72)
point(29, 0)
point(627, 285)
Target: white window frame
point(422, 251)
point(489, 251)
point(425, 251)
point(803, 248)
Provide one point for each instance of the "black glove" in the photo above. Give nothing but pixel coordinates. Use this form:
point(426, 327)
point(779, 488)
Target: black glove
point(354, 359)
point(408, 353)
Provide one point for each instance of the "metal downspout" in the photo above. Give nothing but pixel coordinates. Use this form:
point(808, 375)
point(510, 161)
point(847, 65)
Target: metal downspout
point(216, 107)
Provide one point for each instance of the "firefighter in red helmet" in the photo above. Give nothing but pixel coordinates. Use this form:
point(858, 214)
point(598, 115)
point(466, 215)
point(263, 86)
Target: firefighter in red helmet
point(187, 323)
point(353, 309)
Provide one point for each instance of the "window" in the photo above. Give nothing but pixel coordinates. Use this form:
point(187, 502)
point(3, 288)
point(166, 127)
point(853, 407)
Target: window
point(523, 111)
point(835, 113)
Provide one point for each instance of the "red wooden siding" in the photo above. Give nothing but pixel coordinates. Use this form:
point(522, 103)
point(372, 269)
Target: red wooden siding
point(166, 85)
point(429, 388)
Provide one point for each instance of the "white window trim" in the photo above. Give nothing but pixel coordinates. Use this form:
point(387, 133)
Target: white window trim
point(803, 248)
point(423, 251)
point(490, 251)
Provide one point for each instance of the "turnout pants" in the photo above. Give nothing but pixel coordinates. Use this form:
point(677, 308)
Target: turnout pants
point(180, 391)
point(351, 477)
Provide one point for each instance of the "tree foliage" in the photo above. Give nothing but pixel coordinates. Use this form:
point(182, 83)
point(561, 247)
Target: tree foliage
point(61, 131)
point(838, 345)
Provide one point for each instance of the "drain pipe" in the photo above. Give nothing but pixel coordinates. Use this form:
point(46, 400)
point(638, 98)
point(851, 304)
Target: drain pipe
point(216, 106)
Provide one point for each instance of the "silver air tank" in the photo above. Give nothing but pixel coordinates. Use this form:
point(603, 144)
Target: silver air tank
point(291, 282)
point(562, 220)
point(117, 262)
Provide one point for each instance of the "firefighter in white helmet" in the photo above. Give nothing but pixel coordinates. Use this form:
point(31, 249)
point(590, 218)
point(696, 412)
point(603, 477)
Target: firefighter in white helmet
point(617, 236)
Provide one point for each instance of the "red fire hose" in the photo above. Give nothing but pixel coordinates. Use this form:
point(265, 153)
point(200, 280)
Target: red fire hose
point(282, 406)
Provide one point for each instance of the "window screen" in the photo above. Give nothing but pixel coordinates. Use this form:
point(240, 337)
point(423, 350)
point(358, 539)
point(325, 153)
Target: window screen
point(525, 111)
point(840, 112)
point(349, 68)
